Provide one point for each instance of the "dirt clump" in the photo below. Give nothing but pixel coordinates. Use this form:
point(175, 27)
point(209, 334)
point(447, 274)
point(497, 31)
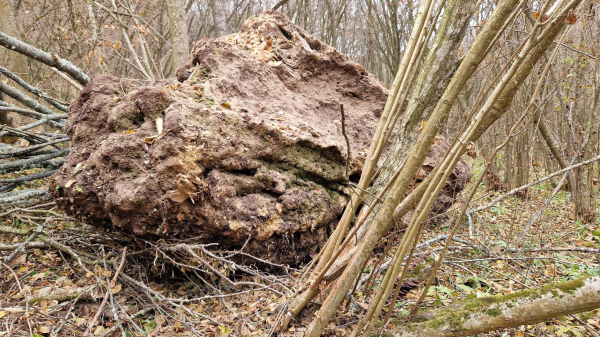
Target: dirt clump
point(457, 181)
point(244, 149)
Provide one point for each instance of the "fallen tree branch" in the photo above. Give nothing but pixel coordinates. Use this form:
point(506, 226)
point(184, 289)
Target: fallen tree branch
point(29, 245)
point(32, 237)
point(27, 163)
point(21, 197)
point(24, 99)
point(32, 148)
point(34, 90)
point(67, 78)
point(539, 181)
point(44, 57)
point(60, 295)
point(479, 315)
point(5, 107)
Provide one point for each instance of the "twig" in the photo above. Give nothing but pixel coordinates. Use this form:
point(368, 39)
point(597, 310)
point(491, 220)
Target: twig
point(539, 181)
point(22, 293)
point(62, 323)
point(500, 259)
point(539, 212)
point(108, 292)
point(140, 313)
point(550, 249)
point(33, 235)
point(67, 78)
point(33, 90)
point(347, 141)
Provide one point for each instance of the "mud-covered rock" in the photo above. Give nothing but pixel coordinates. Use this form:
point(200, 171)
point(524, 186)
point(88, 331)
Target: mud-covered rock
point(245, 148)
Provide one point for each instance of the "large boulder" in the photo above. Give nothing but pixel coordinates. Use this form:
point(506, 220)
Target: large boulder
point(245, 149)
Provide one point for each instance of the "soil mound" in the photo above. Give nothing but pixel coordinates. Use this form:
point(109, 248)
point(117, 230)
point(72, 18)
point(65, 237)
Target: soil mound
point(245, 149)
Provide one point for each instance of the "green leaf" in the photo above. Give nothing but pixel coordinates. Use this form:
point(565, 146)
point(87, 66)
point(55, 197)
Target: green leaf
point(444, 290)
point(149, 326)
point(464, 288)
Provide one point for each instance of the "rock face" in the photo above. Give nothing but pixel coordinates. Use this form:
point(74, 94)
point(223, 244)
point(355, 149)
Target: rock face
point(245, 148)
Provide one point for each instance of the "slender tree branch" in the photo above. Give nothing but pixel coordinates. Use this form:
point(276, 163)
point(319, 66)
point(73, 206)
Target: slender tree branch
point(33, 90)
point(44, 57)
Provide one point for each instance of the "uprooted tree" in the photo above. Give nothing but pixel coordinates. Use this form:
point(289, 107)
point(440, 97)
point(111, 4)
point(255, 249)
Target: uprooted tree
point(273, 143)
point(246, 150)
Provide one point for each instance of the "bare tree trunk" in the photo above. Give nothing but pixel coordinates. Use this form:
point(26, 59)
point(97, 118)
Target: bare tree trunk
point(434, 75)
point(523, 160)
point(585, 200)
point(18, 62)
point(179, 34)
point(473, 316)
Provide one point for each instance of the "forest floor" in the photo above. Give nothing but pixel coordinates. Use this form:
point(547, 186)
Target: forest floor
point(64, 274)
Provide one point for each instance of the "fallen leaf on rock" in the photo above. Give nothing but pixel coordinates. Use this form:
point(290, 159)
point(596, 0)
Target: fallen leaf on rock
point(150, 140)
point(79, 167)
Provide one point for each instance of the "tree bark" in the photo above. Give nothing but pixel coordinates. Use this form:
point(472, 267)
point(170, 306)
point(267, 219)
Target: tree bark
point(585, 201)
point(178, 31)
point(44, 57)
point(432, 79)
point(19, 62)
point(473, 316)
